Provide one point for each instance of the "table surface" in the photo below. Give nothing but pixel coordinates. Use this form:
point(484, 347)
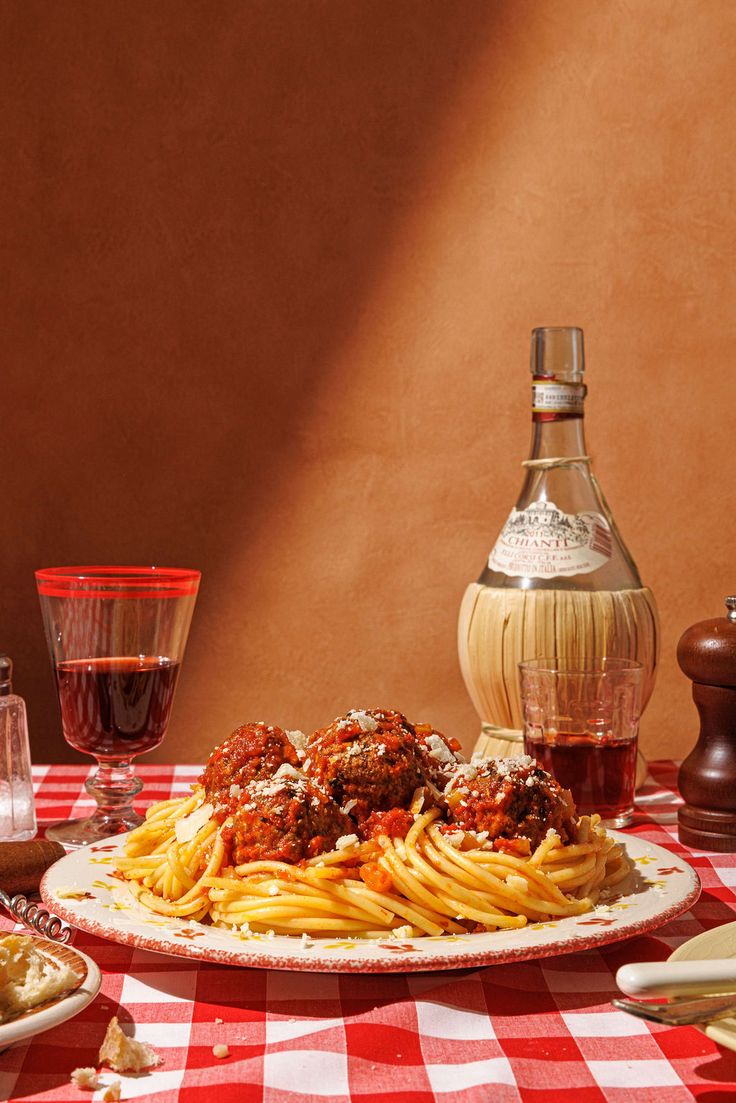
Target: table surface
point(533, 1032)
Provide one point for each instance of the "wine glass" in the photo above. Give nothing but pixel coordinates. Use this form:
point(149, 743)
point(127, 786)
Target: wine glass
point(116, 636)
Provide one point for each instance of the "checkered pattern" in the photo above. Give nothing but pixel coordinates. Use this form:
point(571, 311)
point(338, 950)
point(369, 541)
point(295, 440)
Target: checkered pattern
point(535, 1032)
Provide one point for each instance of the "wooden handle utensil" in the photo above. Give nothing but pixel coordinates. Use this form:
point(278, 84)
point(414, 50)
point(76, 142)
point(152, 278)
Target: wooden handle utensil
point(22, 865)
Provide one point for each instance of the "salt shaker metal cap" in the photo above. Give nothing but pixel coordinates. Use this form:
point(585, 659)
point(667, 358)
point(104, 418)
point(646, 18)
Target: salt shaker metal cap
point(707, 780)
point(17, 808)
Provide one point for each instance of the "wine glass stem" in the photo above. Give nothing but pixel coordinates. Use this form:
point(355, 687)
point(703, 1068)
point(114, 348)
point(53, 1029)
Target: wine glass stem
point(114, 786)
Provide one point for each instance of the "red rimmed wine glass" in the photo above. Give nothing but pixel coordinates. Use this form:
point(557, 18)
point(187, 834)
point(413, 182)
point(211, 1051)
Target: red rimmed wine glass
point(116, 636)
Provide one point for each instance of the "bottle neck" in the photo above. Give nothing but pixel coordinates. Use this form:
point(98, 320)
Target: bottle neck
point(563, 437)
point(558, 406)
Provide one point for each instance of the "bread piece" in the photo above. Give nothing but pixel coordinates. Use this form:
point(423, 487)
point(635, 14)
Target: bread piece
point(28, 976)
point(111, 1092)
point(124, 1054)
point(86, 1078)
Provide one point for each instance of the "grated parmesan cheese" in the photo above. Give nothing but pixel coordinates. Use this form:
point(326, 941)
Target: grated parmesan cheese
point(461, 773)
point(438, 749)
point(346, 841)
point(403, 932)
point(298, 740)
point(365, 722)
point(505, 766)
point(187, 828)
point(287, 770)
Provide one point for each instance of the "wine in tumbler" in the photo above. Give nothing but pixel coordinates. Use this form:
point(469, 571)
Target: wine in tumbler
point(116, 637)
point(581, 723)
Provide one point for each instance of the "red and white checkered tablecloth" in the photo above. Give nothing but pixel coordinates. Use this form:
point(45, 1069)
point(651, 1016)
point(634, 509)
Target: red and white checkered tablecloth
point(534, 1032)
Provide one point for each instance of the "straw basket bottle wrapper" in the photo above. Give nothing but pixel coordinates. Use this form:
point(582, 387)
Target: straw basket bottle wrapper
point(559, 581)
point(17, 808)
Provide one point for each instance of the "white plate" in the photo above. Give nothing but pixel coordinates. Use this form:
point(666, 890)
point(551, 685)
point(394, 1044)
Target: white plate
point(62, 1008)
point(83, 890)
point(717, 943)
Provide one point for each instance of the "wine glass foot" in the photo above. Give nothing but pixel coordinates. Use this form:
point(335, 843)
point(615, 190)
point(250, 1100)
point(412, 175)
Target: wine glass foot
point(75, 833)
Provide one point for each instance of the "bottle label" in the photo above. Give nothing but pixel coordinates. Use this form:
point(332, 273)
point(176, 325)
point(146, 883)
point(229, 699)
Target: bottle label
point(558, 398)
point(543, 542)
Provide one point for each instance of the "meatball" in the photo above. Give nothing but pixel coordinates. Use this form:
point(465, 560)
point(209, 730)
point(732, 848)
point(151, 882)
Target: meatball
point(252, 752)
point(438, 754)
point(510, 798)
point(367, 761)
point(286, 818)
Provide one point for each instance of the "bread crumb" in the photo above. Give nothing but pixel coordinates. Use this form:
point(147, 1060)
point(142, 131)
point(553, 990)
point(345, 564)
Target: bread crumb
point(112, 1092)
point(220, 1051)
point(218, 1021)
point(124, 1054)
point(86, 1078)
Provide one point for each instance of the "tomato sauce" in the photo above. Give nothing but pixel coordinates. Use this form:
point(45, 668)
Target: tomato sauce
point(394, 823)
point(376, 878)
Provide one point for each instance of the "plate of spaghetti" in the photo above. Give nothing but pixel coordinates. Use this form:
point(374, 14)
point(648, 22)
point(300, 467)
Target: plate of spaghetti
point(369, 846)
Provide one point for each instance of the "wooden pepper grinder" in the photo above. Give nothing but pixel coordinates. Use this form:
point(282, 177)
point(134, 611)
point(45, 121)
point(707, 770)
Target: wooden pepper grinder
point(707, 780)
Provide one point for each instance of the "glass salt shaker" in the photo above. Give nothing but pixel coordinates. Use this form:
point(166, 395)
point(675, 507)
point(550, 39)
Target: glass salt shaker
point(17, 808)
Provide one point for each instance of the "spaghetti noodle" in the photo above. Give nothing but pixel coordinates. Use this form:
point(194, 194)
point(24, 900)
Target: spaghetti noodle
point(434, 878)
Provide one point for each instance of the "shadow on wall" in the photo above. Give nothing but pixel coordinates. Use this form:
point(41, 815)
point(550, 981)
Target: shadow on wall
point(199, 202)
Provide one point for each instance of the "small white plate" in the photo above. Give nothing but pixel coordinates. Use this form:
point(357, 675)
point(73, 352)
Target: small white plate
point(717, 943)
point(83, 889)
point(63, 1007)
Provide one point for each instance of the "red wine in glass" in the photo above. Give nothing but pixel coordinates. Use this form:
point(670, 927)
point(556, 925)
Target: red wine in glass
point(600, 773)
point(116, 636)
point(114, 708)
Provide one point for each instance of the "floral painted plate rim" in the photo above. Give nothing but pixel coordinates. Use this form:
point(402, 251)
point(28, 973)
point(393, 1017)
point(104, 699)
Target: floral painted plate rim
point(56, 1011)
point(83, 890)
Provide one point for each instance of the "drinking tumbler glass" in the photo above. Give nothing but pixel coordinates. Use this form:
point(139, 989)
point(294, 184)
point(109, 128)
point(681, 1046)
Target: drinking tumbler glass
point(116, 636)
point(581, 723)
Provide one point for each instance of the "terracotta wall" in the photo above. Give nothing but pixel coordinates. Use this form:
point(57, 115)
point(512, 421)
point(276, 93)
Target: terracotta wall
point(270, 270)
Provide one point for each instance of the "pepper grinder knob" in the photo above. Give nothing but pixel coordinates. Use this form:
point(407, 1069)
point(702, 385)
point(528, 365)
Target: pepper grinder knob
point(707, 779)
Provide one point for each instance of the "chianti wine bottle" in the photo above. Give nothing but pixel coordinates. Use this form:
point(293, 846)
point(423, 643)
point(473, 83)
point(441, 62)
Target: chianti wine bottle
point(559, 581)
